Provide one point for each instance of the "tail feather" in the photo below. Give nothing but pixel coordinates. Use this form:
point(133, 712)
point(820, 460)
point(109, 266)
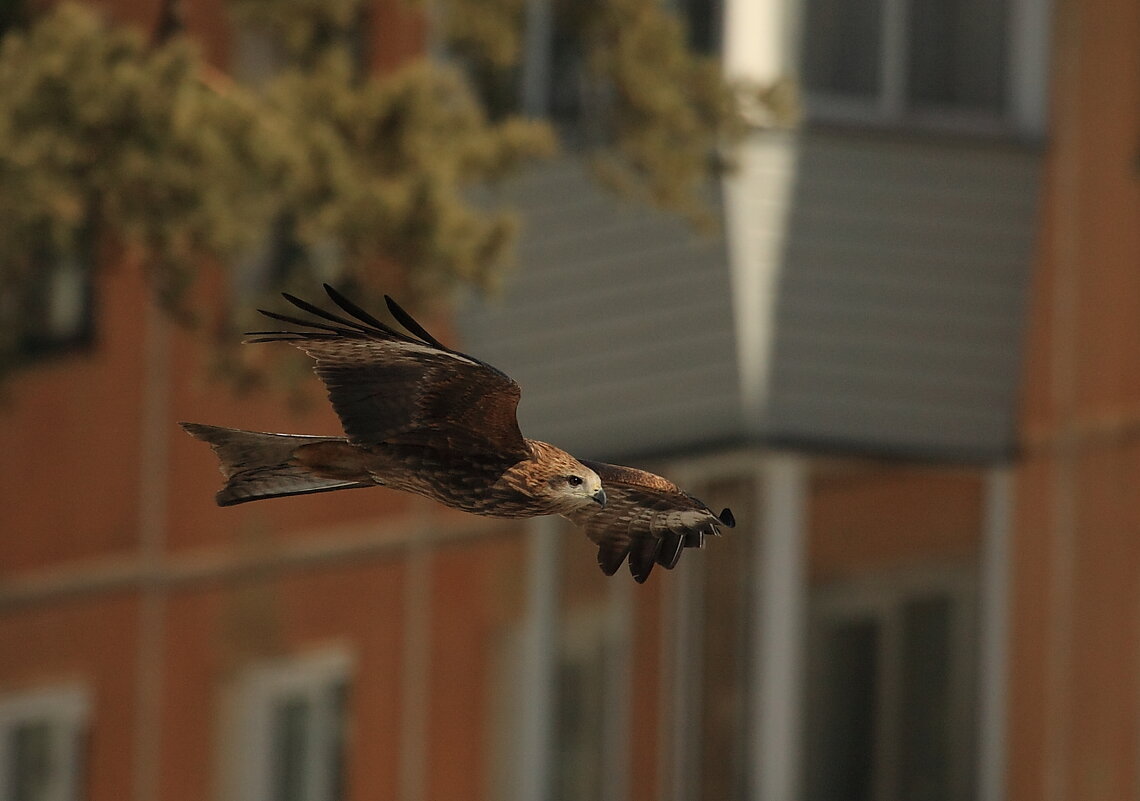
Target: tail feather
point(258, 465)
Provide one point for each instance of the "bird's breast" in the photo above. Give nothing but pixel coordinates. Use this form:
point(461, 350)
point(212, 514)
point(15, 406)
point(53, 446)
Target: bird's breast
point(470, 482)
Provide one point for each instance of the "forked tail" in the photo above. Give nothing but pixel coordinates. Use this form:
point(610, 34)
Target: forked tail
point(258, 465)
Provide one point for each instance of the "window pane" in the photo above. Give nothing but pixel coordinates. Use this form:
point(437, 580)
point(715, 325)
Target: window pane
point(568, 80)
point(580, 726)
point(958, 54)
point(841, 749)
point(842, 47)
point(51, 312)
point(337, 740)
point(926, 771)
point(13, 15)
point(292, 719)
point(258, 57)
point(32, 767)
point(578, 100)
point(702, 20)
point(725, 635)
point(299, 732)
point(67, 301)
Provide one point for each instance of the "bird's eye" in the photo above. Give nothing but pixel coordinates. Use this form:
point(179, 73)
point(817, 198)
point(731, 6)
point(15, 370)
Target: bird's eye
point(574, 481)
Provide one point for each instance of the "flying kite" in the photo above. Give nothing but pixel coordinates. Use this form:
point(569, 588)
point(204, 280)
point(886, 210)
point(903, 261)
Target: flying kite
point(423, 418)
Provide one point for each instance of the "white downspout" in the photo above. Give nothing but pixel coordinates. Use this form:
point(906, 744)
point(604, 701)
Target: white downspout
point(994, 646)
point(780, 605)
point(539, 649)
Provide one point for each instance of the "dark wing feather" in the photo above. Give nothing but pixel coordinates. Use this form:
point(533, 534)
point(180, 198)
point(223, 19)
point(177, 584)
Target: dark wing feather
point(647, 520)
point(389, 386)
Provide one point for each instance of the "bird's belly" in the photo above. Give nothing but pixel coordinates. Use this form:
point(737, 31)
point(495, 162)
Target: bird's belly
point(465, 483)
point(484, 501)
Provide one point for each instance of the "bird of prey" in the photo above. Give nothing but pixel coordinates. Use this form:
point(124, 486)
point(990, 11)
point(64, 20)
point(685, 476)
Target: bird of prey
point(423, 418)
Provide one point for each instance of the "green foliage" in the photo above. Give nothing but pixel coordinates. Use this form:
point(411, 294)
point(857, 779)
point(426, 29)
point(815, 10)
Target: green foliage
point(305, 29)
point(383, 166)
point(672, 111)
point(107, 137)
point(668, 113)
point(488, 34)
point(99, 132)
point(142, 144)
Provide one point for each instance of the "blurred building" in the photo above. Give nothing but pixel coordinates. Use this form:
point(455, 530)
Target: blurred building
point(1074, 679)
point(904, 365)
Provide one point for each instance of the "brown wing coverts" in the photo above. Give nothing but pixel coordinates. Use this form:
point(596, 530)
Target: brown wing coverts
point(388, 386)
point(647, 520)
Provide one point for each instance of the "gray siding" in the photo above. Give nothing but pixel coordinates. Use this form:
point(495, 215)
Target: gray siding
point(899, 312)
point(890, 318)
point(617, 324)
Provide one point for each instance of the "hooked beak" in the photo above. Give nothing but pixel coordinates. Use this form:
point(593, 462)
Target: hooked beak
point(600, 497)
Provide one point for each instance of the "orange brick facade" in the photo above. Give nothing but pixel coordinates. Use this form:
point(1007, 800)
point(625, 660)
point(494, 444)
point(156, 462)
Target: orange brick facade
point(117, 572)
point(1074, 715)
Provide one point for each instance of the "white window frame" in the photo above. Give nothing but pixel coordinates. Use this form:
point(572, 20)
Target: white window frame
point(1024, 110)
point(255, 696)
point(880, 597)
point(67, 709)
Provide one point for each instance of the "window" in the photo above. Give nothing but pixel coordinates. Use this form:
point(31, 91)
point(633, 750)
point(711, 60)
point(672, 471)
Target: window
point(555, 80)
point(269, 265)
point(293, 725)
point(41, 745)
point(703, 20)
point(13, 15)
point(258, 58)
point(280, 256)
point(588, 726)
point(921, 61)
point(891, 692)
point(723, 638)
point(51, 309)
point(260, 53)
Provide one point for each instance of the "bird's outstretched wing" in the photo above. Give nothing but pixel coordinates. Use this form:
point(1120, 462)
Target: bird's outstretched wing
point(647, 519)
point(406, 388)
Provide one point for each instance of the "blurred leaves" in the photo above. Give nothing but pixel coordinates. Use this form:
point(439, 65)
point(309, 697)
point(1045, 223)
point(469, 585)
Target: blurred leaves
point(99, 131)
point(672, 112)
point(337, 171)
point(487, 34)
point(668, 116)
point(146, 146)
point(382, 167)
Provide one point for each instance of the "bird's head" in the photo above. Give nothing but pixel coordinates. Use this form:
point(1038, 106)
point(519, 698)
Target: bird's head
point(562, 482)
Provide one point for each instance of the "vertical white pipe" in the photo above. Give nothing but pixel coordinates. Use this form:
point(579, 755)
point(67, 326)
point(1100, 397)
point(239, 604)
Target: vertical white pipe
point(780, 613)
point(758, 44)
point(540, 645)
point(994, 648)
